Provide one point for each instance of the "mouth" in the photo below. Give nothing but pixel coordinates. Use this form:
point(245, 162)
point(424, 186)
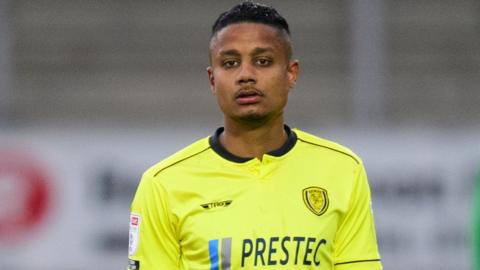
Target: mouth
point(248, 96)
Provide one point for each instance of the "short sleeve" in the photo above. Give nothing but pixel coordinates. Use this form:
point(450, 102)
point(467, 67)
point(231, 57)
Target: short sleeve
point(355, 243)
point(152, 239)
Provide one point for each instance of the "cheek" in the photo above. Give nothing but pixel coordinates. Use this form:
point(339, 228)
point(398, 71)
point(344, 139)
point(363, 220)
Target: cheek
point(282, 91)
point(221, 80)
point(224, 83)
point(221, 92)
point(280, 83)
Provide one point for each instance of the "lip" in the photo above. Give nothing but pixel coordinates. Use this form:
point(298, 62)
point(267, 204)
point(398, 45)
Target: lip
point(248, 96)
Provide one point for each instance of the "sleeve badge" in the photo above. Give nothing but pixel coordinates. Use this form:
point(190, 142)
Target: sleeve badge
point(134, 233)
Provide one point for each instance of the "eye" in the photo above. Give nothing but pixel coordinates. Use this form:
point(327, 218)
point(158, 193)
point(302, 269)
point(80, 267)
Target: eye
point(263, 62)
point(230, 63)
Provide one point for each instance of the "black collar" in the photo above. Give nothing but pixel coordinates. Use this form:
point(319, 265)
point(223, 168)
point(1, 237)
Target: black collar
point(220, 150)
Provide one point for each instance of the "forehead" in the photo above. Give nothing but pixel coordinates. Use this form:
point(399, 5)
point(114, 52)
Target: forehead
point(243, 35)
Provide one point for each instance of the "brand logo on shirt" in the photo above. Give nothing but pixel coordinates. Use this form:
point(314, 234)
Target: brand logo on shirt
point(287, 250)
point(271, 251)
point(316, 200)
point(216, 204)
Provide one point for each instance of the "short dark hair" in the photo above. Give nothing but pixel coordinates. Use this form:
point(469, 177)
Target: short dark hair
point(251, 12)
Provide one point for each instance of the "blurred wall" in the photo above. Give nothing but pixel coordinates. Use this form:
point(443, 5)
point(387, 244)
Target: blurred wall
point(97, 91)
point(143, 63)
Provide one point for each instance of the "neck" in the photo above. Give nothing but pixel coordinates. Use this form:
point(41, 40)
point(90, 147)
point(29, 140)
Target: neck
point(246, 140)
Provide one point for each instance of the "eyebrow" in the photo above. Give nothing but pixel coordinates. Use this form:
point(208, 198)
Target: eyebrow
point(229, 52)
point(256, 51)
point(260, 50)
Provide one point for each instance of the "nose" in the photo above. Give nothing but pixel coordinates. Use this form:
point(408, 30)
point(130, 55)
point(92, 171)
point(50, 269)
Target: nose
point(246, 74)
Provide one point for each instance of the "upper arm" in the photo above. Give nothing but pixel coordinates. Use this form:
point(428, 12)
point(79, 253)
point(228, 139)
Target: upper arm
point(152, 241)
point(355, 241)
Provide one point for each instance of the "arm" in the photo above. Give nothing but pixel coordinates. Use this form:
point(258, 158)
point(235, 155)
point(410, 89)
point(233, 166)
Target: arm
point(355, 243)
point(152, 238)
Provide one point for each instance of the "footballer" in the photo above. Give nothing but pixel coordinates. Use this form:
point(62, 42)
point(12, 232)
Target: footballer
point(256, 194)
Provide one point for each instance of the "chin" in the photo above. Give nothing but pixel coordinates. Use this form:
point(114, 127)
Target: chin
point(253, 118)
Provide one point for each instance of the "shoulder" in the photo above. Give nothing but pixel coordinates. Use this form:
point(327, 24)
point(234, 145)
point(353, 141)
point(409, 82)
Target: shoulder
point(189, 152)
point(326, 145)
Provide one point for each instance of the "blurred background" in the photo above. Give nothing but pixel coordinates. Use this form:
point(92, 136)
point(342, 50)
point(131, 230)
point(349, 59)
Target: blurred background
point(94, 92)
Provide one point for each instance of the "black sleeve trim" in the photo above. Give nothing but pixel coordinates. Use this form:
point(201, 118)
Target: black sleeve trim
point(374, 260)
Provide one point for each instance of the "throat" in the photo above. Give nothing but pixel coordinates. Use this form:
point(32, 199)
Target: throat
point(253, 143)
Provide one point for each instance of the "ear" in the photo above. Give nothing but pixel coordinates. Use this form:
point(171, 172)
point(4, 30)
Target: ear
point(292, 72)
point(211, 79)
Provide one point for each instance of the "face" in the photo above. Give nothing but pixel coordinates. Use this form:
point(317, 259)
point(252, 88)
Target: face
point(250, 73)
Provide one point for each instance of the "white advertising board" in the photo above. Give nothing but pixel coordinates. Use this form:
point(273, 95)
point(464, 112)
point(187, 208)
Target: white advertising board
point(65, 196)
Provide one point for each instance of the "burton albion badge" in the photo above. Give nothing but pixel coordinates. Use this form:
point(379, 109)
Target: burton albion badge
point(316, 200)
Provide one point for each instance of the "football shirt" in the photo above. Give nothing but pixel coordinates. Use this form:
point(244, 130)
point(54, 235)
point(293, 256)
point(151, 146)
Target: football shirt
point(304, 206)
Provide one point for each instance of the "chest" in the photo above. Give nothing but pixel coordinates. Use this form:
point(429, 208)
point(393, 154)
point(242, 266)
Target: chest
point(260, 218)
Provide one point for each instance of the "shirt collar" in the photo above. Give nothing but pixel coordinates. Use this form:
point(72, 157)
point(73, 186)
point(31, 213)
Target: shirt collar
point(214, 141)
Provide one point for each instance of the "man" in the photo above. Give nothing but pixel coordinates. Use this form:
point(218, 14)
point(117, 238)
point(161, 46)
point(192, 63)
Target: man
point(256, 194)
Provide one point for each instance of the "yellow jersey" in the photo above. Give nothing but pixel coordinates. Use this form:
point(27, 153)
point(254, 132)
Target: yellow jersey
point(304, 206)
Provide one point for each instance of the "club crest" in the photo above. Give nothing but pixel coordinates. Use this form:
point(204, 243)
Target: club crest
point(316, 200)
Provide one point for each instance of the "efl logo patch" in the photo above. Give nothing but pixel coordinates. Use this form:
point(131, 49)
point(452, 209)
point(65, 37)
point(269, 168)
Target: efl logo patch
point(134, 233)
point(316, 200)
